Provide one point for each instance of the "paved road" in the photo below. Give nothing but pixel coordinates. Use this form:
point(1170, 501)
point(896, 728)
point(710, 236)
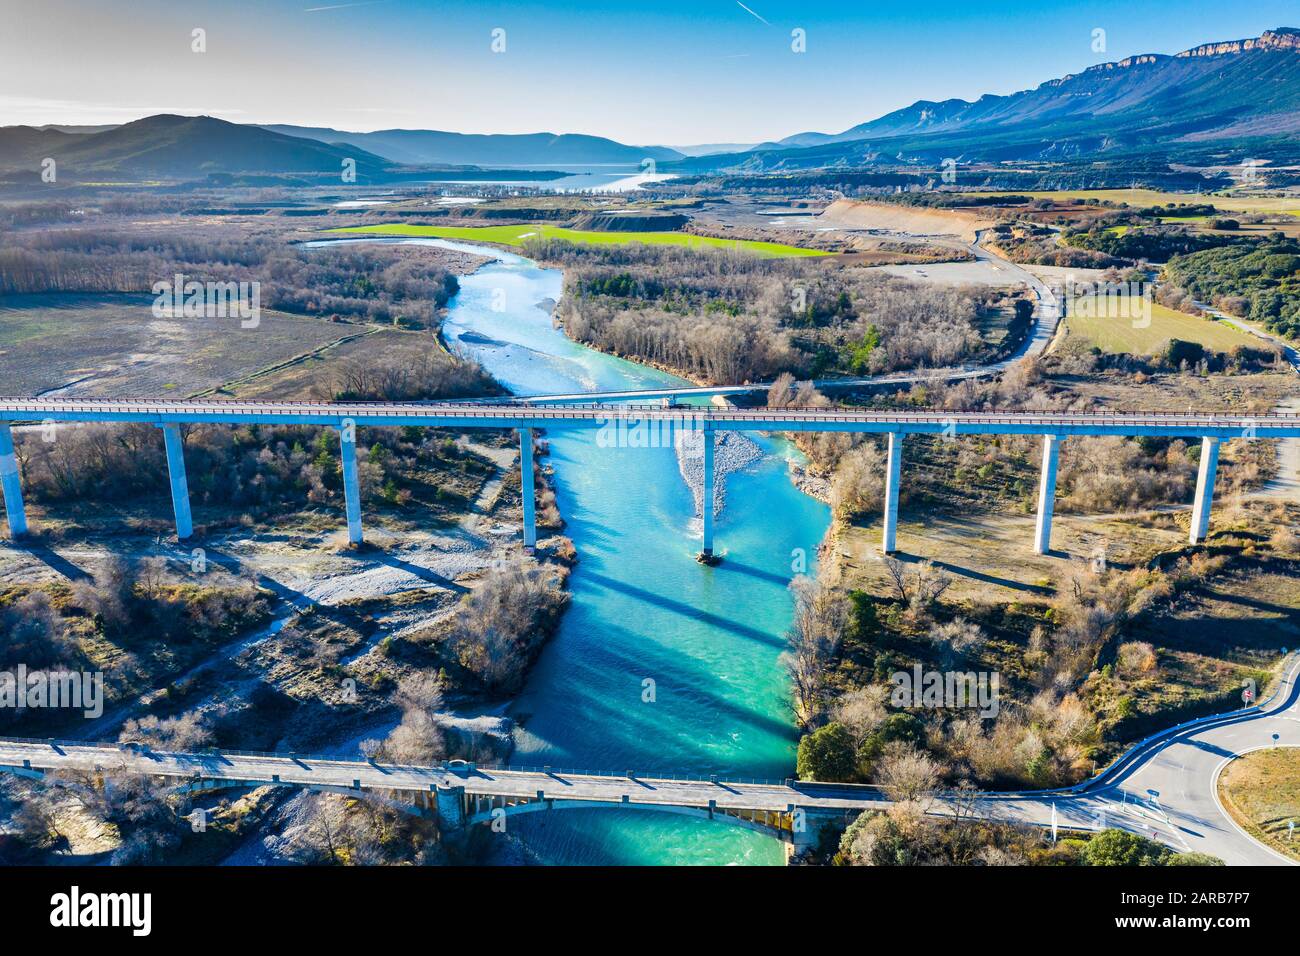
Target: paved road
point(310, 771)
point(1286, 483)
point(1165, 789)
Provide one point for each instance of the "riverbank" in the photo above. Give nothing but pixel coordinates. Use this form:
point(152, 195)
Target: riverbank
point(659, 664)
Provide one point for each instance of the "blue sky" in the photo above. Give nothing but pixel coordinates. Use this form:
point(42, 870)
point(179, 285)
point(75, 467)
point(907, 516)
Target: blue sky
point(667, 71)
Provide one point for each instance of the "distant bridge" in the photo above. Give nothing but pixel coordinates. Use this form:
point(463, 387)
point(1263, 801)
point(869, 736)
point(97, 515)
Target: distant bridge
point(633, 426)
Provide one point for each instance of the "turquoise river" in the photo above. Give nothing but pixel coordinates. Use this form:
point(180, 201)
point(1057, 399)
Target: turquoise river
point(643, 609)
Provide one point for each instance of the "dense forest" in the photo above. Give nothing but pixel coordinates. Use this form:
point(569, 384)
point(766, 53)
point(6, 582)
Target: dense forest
point(1154, 243)
point(405, 285)
point(731, 317)
point(1259, 281)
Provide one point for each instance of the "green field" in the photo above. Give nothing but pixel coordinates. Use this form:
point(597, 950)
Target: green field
point(516, 235)
point(1112, 334)
point(1154, 197)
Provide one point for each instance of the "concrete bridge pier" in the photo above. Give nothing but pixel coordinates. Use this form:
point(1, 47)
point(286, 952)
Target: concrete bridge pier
point(11, 484)
point(526, 488)
point(804, 834)
point(706, 499)
point(1046, 495)
point(893, 474)
point(180, 487)
point(1204, 490)
point(351, 487)
point(451, 808)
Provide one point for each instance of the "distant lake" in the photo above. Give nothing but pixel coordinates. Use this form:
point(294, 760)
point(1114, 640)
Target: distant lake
point(608, 178)
point(361, 203)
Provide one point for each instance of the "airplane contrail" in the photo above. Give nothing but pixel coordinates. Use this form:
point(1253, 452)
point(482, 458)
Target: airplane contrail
point(342, 6)
point(751, 12)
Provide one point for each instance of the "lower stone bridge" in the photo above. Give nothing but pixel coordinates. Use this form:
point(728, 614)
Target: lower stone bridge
point(461, 795)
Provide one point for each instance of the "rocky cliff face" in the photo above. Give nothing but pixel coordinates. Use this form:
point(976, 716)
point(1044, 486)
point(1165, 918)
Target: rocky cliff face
point(1283, 38)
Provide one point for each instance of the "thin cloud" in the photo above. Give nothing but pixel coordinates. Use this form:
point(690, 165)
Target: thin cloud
point(39, 110)
point(752, 13)
point(342, 6)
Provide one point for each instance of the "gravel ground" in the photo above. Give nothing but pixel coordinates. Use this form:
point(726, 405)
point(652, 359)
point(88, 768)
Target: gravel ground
point(732, 451)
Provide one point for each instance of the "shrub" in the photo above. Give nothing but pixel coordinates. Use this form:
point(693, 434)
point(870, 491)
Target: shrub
point(1194, 859)
point(827, 754)
point(1178, 352)
point(1121, 848)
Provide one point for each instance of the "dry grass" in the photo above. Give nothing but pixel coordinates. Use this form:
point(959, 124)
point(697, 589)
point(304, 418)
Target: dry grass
point(1261, 792)
point(112, 345)
point(1154, 197)
point(1234, 607)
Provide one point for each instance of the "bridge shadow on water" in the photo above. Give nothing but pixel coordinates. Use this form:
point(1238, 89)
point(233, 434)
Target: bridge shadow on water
point(594, 534)
point(730, 564)
point(684, 609)
point(619, 724)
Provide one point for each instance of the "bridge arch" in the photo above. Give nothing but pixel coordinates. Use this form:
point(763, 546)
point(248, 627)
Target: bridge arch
point(776, 824)
point(482, 809)
point(212, 785)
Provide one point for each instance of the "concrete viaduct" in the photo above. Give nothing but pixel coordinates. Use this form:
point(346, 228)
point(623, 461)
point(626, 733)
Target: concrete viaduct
point(624, 425)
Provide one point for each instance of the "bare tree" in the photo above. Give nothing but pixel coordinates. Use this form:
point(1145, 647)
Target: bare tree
point(898, 577)
point(498, 624)
point(907, 775)
point(419, 738)
point(859, 482)
point(820, 616)
point(185, 732)
point(956, 638)
point(862, 710)
point(918, 585)
point(322, 838)
point(781, 392)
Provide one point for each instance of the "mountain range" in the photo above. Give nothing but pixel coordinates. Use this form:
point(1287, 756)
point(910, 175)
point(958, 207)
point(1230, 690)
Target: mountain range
point(1213, 94)
point(1211, 101)
point(193, 147)
point(176, 147)
point(423, 146)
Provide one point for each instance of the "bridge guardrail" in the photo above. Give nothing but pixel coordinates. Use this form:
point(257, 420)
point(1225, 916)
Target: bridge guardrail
point(508, 406)
point(1289, 676)
point(115, 747)
point(1137, 748)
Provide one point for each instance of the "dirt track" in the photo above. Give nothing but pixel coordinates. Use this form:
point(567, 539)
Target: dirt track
point(854, 214)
